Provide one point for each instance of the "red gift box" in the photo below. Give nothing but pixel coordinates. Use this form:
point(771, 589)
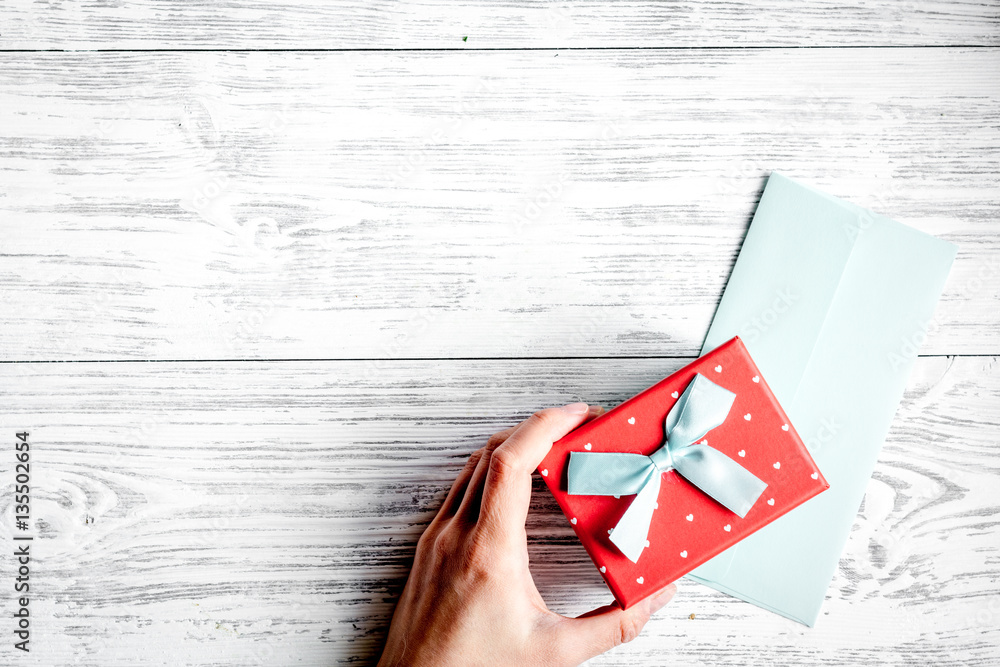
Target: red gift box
point(688, 527)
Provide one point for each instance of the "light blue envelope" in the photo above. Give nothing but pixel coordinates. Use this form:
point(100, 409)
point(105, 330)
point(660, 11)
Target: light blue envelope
point(833, 302)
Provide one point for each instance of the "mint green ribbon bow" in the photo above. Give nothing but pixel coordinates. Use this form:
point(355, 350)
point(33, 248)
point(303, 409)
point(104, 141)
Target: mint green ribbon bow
point(703, 406)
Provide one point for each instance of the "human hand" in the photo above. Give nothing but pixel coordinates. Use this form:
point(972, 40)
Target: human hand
point(470, 599)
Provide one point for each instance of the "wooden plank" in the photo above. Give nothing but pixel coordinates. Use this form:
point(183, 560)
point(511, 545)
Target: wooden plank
point(387, 205)
point(265, 513)
point(297, 24)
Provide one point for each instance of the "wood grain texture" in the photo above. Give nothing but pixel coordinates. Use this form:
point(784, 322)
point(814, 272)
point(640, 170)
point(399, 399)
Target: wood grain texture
point(298, 24)
point(396, 205)
point(265, 513)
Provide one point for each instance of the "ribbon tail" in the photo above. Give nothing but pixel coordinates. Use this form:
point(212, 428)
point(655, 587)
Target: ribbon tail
point(720, 477)
point(633, 528)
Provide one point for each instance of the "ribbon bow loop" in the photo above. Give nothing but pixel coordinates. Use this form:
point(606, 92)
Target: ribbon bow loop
point(703, 406)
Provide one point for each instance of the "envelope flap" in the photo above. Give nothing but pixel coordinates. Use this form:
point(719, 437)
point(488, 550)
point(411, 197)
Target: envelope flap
point(775, 290)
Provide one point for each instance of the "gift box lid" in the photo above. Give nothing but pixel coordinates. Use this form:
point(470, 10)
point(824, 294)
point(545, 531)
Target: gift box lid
point(687, 527)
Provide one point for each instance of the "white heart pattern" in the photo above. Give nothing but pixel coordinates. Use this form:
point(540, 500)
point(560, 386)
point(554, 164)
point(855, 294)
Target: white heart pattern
point(784, 427)
point(674, 395)
point(603, 569)
point(684, 554)
point(747, 416)
point(545, 472)
point(777, 465)
point(690, 517)
point(742, 453)
point(770, 501)
point(588, 446)
point(718, 369)
point(704, 442)
point(756, 378)
point(631, 420)
point(647, 543)
point(640, 580)
point(727, 528)
point(656, 506)
point(573, 521)
point(610, 530)
point(815, 475)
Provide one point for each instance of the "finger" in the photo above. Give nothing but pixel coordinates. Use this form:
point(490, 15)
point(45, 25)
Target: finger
point(604, 628)
point(507, 490)
point(457, 491)
point(498, 439)
point(459, 488)
point(468, 508)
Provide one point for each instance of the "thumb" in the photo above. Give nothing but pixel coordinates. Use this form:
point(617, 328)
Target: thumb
point(606, 627)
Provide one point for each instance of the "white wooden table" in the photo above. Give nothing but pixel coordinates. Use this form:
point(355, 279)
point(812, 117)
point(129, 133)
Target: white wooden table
point(271, 271)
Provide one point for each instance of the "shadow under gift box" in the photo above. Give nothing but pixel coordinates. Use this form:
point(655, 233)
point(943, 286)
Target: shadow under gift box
point(688, 527)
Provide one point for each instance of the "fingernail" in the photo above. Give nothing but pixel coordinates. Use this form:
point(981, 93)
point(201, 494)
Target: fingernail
point(661, 599)
point(595, 410)
point(576, 408)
